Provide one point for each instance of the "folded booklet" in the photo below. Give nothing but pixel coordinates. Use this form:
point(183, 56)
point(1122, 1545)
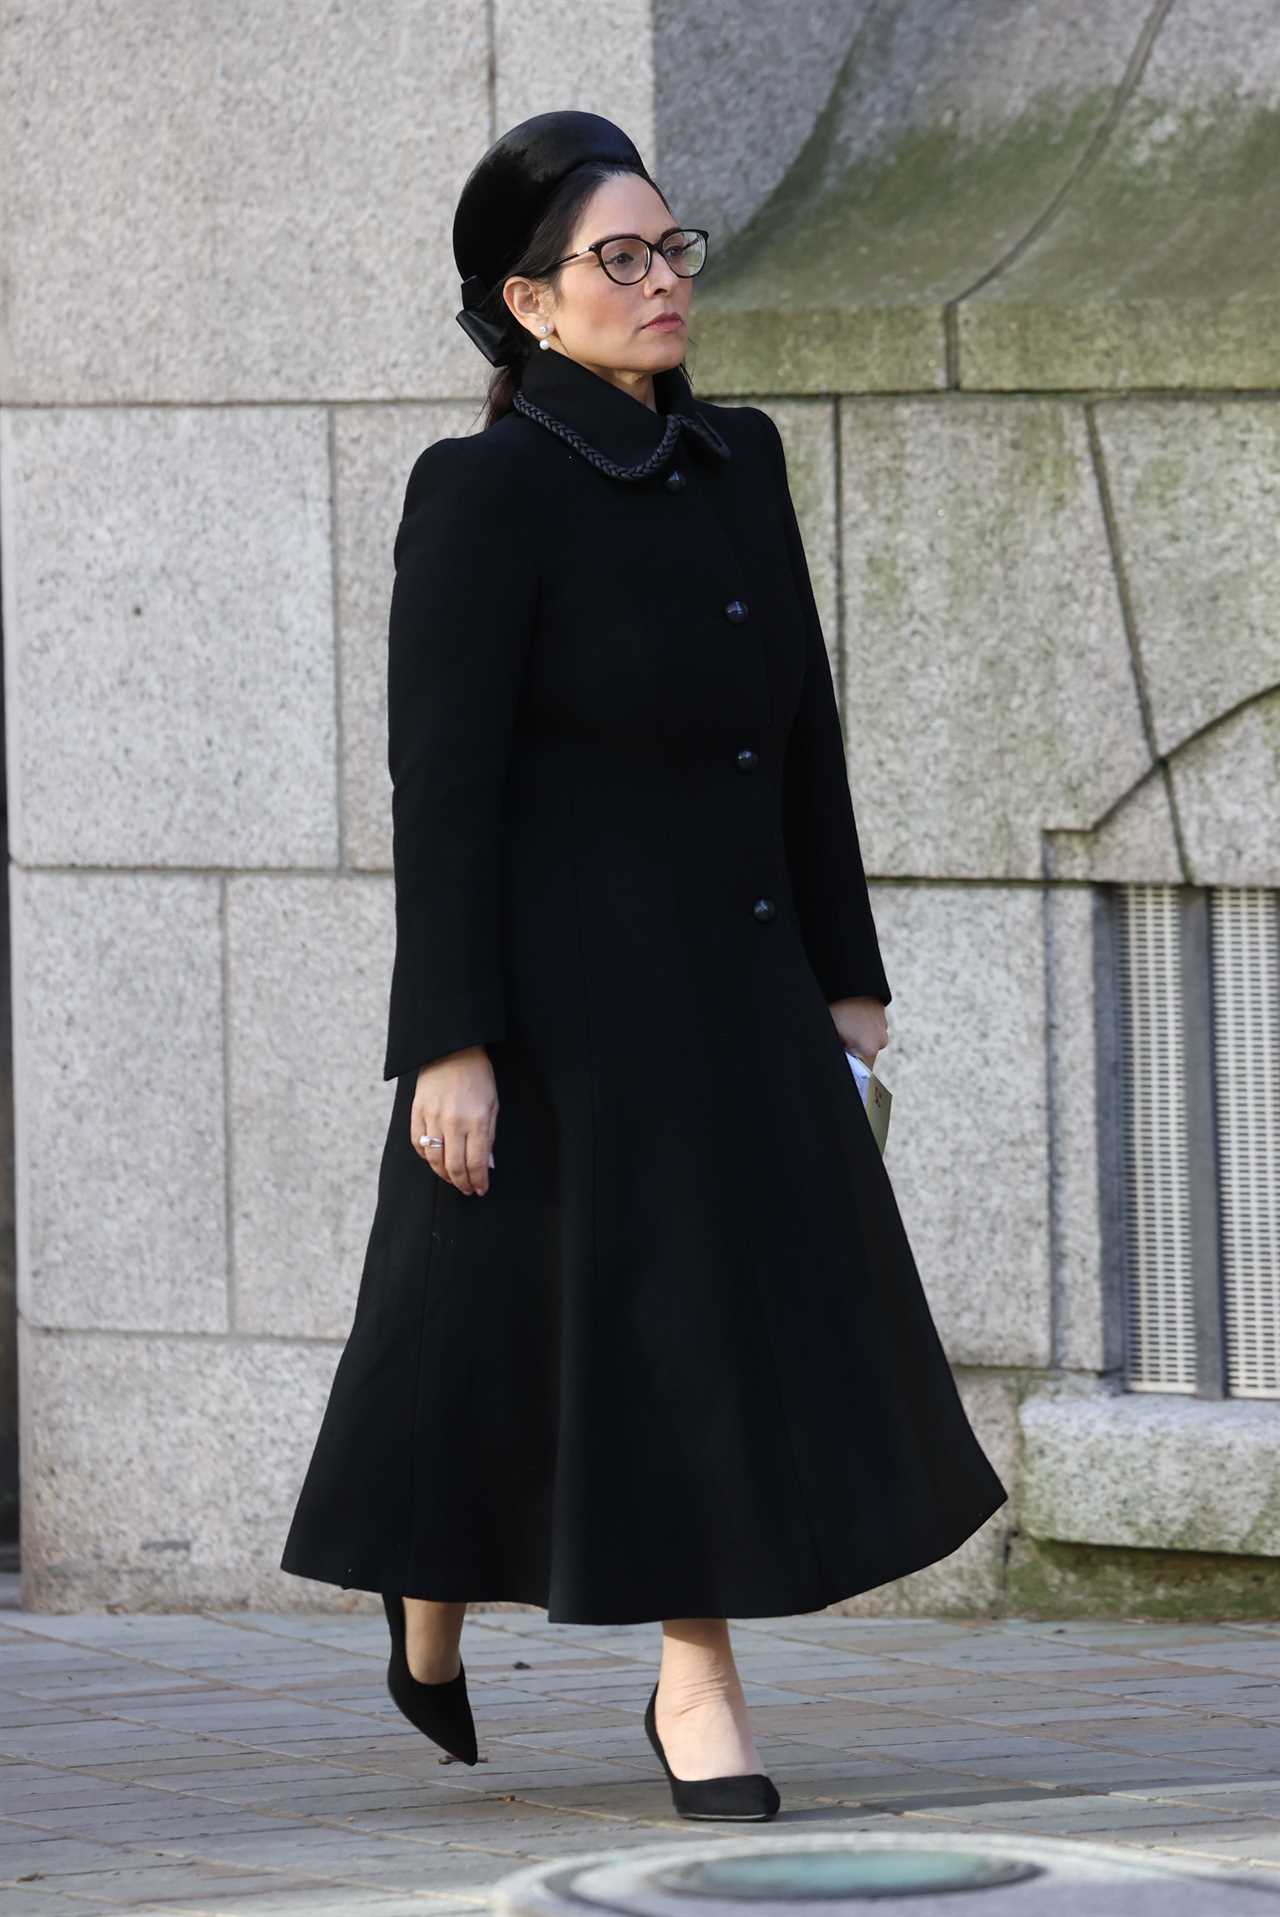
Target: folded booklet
point(876, 1097)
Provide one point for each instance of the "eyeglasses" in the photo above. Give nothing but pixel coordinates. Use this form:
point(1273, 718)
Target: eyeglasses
point(626, 258)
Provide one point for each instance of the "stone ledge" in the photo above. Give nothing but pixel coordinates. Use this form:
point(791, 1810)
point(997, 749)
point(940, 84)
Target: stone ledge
point(1162, 1472)
point(1046, 1579)
point(1207, 344)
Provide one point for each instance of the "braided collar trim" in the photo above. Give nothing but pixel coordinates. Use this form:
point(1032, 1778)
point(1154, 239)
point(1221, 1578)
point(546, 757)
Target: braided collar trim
point(641, 468)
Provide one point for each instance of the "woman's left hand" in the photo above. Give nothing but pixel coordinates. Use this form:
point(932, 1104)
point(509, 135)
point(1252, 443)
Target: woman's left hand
point(862, 1026)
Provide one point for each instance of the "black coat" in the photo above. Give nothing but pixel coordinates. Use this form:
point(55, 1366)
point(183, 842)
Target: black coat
point(677, 1361)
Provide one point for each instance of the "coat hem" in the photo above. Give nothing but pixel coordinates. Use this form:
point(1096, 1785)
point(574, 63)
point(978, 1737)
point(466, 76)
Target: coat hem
point(829, 1591)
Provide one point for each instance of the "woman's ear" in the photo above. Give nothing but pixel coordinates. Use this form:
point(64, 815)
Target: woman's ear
point(522, 298)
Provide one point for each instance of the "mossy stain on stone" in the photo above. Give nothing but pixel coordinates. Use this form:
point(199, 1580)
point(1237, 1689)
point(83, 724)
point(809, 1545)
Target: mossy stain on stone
point(1082, 1580)
point(917, 220)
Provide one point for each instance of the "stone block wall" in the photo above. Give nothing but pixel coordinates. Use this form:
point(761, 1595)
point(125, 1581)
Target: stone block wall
point(1007, 288)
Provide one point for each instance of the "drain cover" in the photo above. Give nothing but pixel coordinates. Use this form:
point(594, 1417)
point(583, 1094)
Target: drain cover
point(839, 1874)
point(807, 1875)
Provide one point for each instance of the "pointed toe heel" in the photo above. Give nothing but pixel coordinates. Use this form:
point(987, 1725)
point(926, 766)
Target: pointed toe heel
point(441, 1711)
point(751, 1798)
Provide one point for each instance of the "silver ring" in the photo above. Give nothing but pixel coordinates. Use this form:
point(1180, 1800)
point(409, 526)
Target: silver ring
point(427, 1140)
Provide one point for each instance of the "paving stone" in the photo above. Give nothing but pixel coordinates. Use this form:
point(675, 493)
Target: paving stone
point(1094, 1814)
point(1252, 1840)
point(22, 1852)
point(15, 1901)
point(149, 1883)
point(35, 1793)
point(1260, 1796)
point(223, 1785)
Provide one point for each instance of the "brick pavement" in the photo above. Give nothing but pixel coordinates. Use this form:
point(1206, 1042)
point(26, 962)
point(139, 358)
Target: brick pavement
point(252, 1762)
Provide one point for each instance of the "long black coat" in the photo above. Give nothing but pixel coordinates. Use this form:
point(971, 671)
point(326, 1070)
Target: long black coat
point(677, 1361)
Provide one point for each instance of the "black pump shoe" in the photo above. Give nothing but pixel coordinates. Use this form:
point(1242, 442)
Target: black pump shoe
point(441, 1711)
point(750, 1798)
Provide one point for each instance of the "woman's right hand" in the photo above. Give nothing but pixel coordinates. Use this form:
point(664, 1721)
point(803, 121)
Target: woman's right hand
point(456, 1099)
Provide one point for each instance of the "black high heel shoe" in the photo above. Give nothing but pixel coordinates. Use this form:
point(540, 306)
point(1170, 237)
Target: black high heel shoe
point(441, 1711)
point(750, 1798)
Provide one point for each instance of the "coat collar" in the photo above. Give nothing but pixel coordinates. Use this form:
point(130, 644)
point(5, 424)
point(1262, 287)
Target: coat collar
point(617, 433)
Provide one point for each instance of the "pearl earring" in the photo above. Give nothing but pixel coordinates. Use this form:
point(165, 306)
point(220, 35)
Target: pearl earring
point(545, 344)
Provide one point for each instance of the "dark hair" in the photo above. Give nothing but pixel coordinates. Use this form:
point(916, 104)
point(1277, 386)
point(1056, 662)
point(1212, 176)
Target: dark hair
point(550, 240)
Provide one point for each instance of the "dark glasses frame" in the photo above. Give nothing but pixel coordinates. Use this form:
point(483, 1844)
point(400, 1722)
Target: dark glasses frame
point(650, 248)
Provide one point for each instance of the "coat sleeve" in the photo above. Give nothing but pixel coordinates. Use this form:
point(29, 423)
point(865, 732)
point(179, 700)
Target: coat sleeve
point(823, 854)
point(462, 610)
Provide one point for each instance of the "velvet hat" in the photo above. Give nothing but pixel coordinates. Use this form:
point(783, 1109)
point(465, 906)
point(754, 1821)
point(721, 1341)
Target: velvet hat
point(504, 196)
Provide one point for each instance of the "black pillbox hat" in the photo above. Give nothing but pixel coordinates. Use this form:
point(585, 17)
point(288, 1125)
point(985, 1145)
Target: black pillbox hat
point(504, 196)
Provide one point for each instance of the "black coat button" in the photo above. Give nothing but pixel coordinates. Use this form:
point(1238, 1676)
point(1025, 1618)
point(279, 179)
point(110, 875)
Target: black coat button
point(747, 759)
point(763, 909)
point(736, 610)
point(674, 481)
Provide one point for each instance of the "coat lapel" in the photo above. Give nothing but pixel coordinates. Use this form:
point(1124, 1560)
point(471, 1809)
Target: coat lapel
point(618, 434)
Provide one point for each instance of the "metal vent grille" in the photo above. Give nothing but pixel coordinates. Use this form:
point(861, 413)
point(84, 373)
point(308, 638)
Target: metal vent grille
point(1246, 1000)
point(1160, 1342)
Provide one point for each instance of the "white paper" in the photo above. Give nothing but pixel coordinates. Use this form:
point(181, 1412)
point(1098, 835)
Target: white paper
point(861, 1073)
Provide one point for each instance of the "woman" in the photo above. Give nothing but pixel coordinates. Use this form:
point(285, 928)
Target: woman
point(677, 1364)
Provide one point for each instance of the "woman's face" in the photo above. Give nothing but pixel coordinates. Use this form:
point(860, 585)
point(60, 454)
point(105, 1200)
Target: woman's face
point(596, 320)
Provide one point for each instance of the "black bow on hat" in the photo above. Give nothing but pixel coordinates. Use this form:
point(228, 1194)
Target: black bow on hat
point(504, 195)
